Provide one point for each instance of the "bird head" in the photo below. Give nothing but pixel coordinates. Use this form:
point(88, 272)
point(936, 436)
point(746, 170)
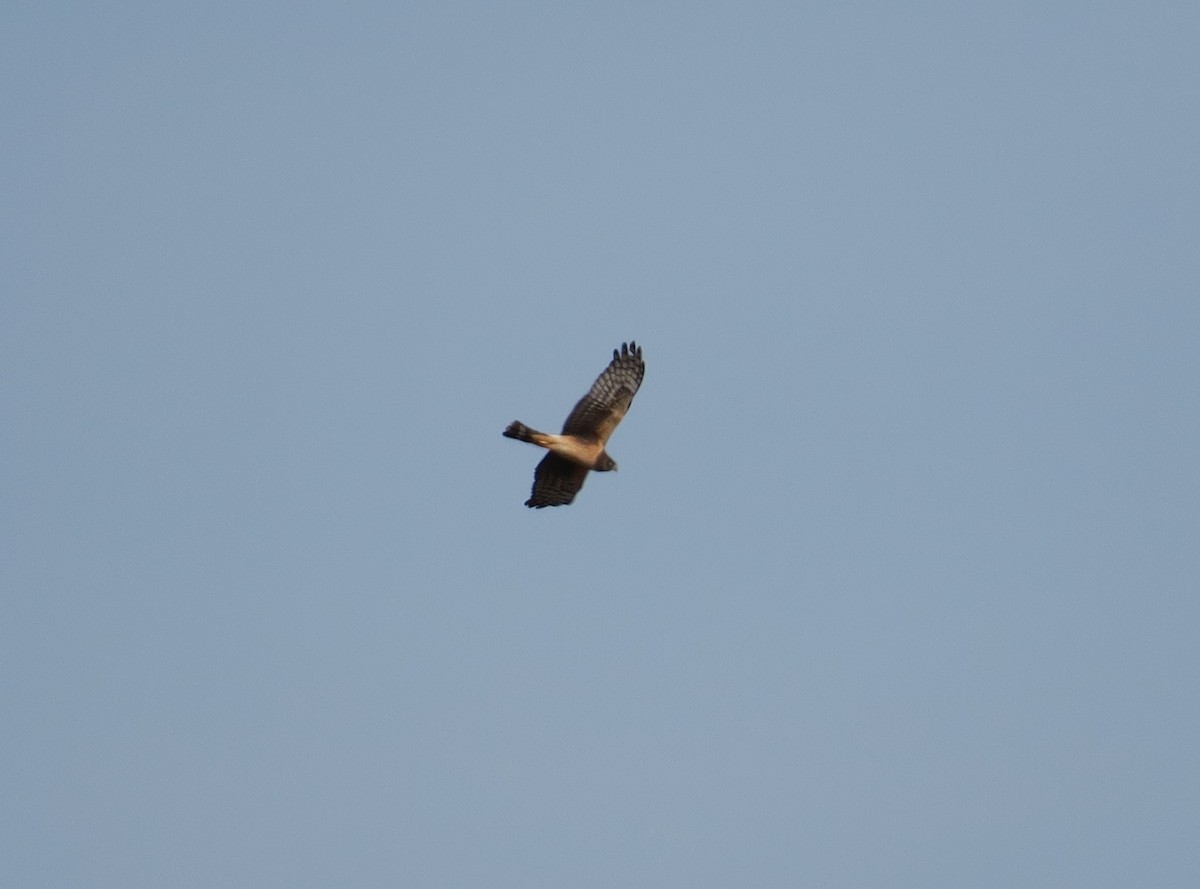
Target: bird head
point(605, 463)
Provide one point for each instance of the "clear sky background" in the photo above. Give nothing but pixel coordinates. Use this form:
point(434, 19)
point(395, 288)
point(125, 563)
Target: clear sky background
point(896, 587)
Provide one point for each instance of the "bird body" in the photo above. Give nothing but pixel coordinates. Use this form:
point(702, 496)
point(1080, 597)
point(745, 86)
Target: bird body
point(580, 447)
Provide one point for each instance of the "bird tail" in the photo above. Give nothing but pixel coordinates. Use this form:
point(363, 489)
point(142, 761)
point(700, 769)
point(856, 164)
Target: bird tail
point(518, 430)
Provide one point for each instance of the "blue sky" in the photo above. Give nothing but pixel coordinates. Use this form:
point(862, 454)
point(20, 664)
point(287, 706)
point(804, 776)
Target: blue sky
point(896, 585)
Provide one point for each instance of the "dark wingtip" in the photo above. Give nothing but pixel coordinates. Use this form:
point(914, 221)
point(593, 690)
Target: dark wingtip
point(629, 349)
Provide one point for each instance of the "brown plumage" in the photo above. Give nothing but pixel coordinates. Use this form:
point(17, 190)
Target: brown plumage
point(580, 447)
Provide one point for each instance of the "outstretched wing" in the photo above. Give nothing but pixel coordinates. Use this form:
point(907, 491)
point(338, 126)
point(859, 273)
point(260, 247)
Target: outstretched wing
point(599, 412)
point(556, 481)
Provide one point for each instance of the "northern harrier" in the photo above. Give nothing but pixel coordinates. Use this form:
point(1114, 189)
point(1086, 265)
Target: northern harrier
point(580, 447)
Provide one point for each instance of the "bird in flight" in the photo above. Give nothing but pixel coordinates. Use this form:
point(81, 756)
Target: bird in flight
point(580, 447)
